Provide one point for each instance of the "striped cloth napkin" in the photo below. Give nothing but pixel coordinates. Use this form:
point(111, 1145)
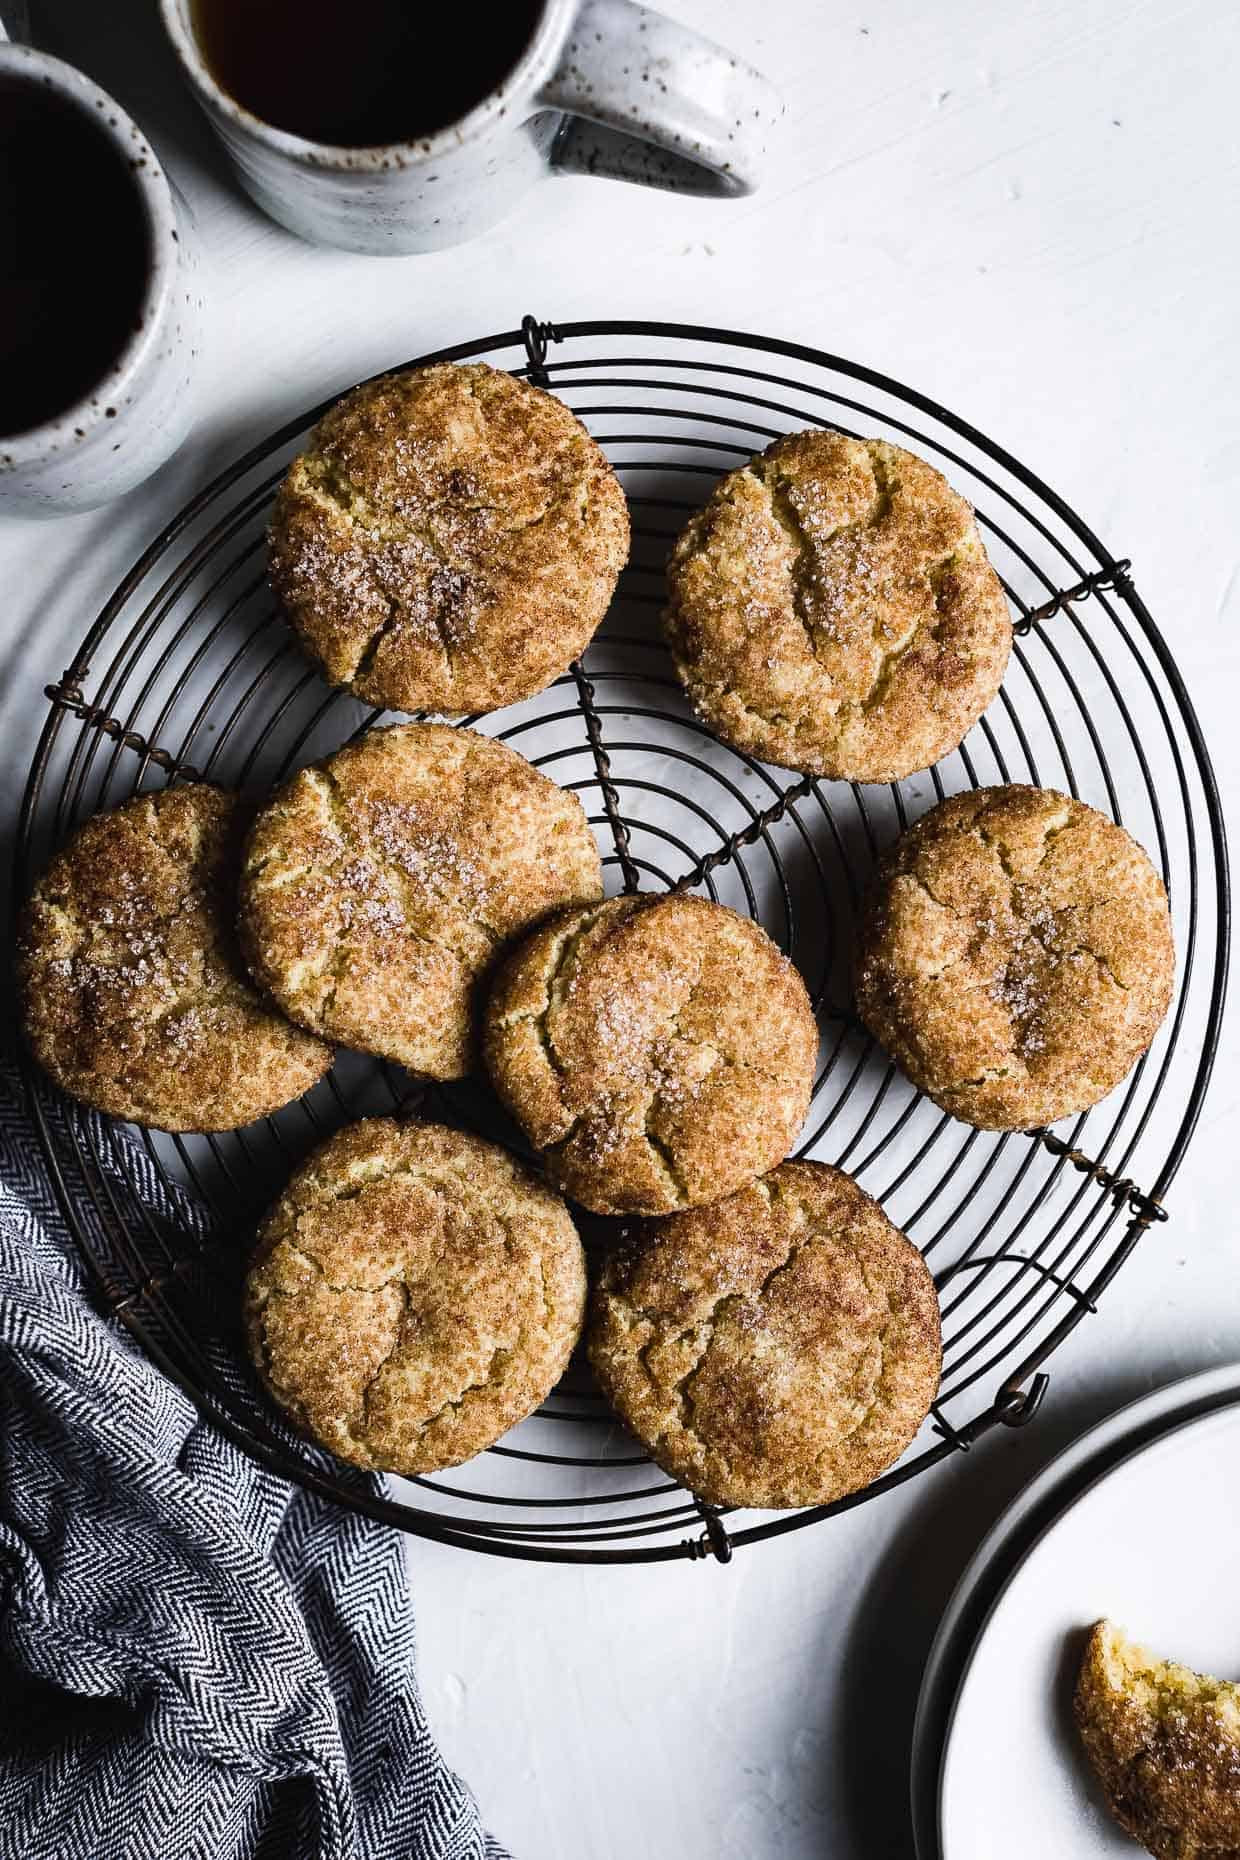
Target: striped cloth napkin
point(198, 1661)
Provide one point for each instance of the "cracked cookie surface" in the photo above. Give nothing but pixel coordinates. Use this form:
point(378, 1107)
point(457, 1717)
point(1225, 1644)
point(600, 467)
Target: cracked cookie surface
point(659, 1051)
point(1164, 1743)
point(775, 1349)
point(449, 541)
point(134, 996)
point(414, 1293)
point(1015, 956)
point(832, 609)
point(380, 885)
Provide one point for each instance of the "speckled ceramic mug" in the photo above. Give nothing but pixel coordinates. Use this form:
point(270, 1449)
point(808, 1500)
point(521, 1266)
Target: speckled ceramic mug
point(603, 87)
point(133, 418)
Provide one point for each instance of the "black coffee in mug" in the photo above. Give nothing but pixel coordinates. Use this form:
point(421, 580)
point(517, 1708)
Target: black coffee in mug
point(74, 255)
point(361, 73)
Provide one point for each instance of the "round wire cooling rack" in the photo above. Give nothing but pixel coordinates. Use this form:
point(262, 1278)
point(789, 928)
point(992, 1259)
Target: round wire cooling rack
point(190, 673)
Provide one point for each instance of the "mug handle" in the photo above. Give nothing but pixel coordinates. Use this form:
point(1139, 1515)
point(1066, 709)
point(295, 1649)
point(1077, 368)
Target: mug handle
point(649, 101)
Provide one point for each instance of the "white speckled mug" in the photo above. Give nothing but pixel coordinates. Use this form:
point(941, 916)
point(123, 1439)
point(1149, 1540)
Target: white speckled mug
point(135, 416)
point(603, 87)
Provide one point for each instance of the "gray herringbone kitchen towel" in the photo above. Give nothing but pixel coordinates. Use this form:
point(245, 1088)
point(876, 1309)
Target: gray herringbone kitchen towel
point(197, 1661)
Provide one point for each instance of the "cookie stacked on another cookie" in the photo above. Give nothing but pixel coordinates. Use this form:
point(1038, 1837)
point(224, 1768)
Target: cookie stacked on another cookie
point(658, 1051)
point(380, 885)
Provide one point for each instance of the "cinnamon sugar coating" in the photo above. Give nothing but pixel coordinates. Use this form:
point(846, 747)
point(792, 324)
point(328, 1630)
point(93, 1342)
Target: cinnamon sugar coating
point(1015, 956)
point(776, 1349)
point(1164, 1742)
point(833, 610)
point(659, 1051)
point(449, 541)
point(133, 994)
point(414, 1293)
point(380, 886)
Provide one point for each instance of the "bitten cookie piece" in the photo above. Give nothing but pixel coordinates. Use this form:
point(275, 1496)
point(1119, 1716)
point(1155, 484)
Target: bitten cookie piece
point(1015, 956)
point(659, 1050)
point(776, 1349)
point(133, 994)
point(449, 541)
point(833, 610)
point(1164, 1743)
point(414, 1293)
point(379, 886)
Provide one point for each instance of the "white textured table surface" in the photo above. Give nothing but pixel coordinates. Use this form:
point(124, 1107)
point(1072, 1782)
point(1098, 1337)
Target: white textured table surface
point(1029, 212)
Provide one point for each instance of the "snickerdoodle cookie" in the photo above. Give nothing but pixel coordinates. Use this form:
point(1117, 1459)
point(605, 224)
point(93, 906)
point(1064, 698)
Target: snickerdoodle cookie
point(833, 610)
point(1015, 956)
point(779, 1348)
point(379, 886)
point(1164, 1743)
point(414, 1293)
point(659, 1050)
point(449, 541)
point(134, 996)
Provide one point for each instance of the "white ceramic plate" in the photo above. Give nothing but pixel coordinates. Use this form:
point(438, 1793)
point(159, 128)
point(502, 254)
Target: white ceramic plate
point(1008, 1540)
point(1153, 1544)
point(999, 1552)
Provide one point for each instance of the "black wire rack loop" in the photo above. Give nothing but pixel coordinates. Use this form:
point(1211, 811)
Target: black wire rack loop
point(190, 671)
point(602, 764)
point(1121, 1188)
point(1113, 579)
point(1018, 1407)
point(536, 336)
point(744, 837)
point(714, 1540)
point(67, 695)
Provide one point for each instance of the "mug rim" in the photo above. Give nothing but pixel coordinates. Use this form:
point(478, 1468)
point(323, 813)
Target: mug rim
point(82, 417)
point(527, 77)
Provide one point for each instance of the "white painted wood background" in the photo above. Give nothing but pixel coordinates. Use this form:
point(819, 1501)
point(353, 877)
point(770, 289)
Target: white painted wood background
point(1028, 211)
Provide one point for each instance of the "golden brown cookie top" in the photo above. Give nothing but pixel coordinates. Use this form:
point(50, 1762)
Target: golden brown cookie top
point(379, 886)
point(1015, 956)
point(134, 996)
point(833, 610)
point(1164, 1743)
point(775, 1349)
point(414, 1293)
point(659, 1050)
point(449, 541)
